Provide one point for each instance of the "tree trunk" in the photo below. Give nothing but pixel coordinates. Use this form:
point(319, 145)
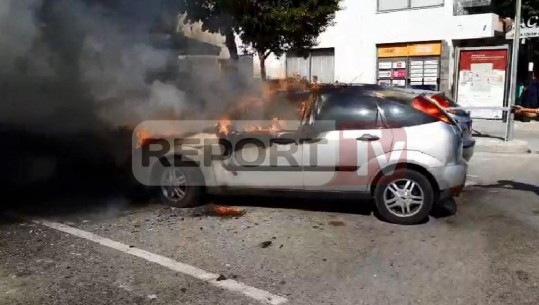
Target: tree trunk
point(262, 66)
point(231, 44)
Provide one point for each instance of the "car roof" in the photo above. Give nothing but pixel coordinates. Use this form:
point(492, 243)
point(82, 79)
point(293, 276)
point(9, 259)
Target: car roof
point(367, 90)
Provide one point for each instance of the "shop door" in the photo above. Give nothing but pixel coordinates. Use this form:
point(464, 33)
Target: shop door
point(297, 66)
point(320, 63)
point(323, 65)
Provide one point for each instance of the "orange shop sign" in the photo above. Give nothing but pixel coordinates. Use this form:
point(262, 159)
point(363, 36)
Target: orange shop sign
point(411, 49)
point(393, 51)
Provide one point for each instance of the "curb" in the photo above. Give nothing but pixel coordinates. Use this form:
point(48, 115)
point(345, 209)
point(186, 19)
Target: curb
point(494, 145)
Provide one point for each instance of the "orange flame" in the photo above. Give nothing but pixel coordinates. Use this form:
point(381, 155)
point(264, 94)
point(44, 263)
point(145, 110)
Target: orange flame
point(224, 126)
point(142, 136)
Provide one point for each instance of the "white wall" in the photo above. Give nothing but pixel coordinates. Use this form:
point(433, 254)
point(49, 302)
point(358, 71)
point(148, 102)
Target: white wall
point(359, 28)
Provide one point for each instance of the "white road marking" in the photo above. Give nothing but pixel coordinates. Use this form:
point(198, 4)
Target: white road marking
point(211, 278)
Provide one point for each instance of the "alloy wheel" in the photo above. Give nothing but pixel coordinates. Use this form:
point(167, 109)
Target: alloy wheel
point(404, 197)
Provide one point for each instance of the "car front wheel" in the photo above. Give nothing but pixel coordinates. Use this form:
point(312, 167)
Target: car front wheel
point(404, 197)
point(179, 186)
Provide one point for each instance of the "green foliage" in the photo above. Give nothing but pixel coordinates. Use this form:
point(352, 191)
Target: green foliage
point(278, 26)
point(268, 26)
point(211, 12)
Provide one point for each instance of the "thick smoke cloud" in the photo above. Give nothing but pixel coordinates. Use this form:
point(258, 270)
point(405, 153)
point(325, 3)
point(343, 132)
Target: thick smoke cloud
point(75, 65)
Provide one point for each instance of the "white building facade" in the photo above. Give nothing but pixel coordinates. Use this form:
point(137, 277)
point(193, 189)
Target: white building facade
point(405, 43)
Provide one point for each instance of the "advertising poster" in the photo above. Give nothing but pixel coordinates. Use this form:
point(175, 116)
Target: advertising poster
point(401, 64)
point(384, 74)
point(384, 82)
point(384, 65)
point(399, 73)
point(481, 81)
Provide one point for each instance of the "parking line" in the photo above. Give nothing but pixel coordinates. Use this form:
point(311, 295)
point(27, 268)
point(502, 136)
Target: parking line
point(211, 278)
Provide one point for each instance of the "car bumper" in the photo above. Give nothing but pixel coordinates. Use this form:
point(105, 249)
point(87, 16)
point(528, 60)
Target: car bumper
point(451, 178)
point(468, 149)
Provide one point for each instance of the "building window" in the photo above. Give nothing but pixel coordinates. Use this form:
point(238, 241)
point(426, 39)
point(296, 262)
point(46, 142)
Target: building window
point(393, 5)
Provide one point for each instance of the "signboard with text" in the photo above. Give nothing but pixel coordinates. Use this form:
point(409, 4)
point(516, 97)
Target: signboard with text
point(528, 28)
point(482, 80)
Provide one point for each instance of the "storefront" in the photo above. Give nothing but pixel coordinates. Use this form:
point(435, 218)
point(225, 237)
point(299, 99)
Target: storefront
point(410, 65)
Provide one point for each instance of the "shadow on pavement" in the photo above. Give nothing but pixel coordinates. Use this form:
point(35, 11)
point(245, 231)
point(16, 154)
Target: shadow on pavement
point(445, 208)
point(510, 184)
point(363, 206)
point(478, 134)
point(340, 205)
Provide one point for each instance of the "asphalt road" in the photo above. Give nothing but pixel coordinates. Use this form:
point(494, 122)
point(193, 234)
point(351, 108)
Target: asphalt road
point(321, 252)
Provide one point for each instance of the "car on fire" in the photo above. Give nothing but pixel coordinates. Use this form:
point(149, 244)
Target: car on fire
point(401, 149)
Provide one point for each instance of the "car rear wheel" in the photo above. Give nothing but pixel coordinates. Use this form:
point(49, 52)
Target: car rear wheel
point(405, 197)
point(179, 186)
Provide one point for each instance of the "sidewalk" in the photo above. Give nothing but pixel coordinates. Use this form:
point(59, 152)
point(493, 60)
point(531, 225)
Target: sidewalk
point(489, 134)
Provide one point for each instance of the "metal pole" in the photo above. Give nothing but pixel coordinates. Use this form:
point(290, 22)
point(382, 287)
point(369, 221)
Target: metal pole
point(509, 128)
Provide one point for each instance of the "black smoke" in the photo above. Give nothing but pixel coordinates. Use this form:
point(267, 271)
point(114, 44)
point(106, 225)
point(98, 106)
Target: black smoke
point(75, 75)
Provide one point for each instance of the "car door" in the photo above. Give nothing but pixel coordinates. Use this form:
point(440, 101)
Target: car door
point(345, 136)
point(262, 160)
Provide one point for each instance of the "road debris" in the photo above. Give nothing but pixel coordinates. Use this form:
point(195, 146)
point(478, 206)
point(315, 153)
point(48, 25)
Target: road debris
point(522, 275)
point(221, 278)
point(336, 223)
point(265, 244)
point(227, 211)
point(152, 296)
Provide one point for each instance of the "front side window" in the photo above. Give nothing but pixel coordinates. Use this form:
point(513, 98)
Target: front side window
point(392, 5)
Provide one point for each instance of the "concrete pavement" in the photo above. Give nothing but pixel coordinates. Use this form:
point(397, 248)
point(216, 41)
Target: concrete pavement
point(489, 135)
point(323, 252)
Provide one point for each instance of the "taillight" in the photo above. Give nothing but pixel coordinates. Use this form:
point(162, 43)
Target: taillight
point(443, 102)
point(431, 109)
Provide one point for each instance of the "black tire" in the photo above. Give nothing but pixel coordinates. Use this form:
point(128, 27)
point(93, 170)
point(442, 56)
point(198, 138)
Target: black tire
point(193, 186)
point(400, 176)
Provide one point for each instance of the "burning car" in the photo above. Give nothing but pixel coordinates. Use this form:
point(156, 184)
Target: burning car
point(401, 149)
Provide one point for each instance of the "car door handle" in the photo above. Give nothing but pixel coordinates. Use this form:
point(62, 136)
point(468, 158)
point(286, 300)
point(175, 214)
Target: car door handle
point(283, 141)
point(368, 138)
point(312, 140)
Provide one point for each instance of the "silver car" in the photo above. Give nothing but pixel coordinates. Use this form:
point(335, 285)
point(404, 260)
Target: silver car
point(400, 149)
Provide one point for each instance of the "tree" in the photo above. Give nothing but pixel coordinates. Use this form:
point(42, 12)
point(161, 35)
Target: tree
point(279, 26)
point(214, 18)
point(268, 26)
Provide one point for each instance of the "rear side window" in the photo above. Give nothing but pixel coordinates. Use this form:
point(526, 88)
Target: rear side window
point(400, 114)
point(349, 111)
